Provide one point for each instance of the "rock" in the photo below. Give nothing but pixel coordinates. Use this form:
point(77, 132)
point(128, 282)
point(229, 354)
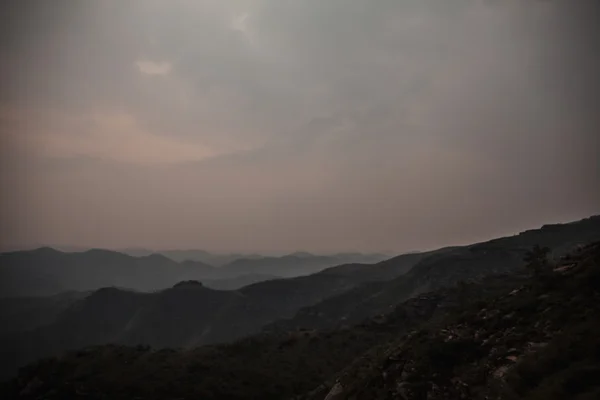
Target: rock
point(500, 372)
point(336, 392)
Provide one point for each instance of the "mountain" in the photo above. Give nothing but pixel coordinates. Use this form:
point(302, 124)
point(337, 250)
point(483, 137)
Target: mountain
point(218, 260)
point(504, 337)
point(202, 256)
point(267, 365)
point(238, 282)
point(334, 298)
point(539, 341)
point(272, 264)
point(112, 315)
point(442, 268)
point(182, 316)
point(275, 262)
point(26, 313)
point(46, 271)
point(296, 264)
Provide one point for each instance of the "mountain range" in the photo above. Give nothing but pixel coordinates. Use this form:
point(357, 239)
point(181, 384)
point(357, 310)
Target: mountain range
point(47, 271)
point(334, 315)
point(505, 336)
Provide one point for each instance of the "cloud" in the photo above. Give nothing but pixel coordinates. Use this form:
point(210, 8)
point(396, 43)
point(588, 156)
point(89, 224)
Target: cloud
point(110, 137)
point(154, 68)
point(269, 124)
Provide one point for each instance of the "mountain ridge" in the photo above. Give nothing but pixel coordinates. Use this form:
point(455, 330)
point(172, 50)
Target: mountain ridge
point(498, 338)
point(342, 296)
point(49, 271)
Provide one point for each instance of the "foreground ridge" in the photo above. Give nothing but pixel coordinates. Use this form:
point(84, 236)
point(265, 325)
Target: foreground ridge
point(537, 342)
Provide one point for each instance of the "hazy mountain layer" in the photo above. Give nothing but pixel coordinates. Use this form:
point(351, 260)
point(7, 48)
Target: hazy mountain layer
point(46, 271)
point(506, 337)
point(191, 314)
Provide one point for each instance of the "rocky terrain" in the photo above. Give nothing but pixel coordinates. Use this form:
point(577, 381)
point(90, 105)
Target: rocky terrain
point(539, 341)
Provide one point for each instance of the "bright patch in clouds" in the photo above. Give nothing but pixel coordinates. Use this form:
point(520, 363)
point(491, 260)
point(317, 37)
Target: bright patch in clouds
point(241, 25)
point(109, 136)
point(154, 68)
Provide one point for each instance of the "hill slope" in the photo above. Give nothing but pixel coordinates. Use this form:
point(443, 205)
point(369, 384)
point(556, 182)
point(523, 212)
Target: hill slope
point(266, 366)
point(183, 316)
point(537, 342)
point(442, 268)
point(505, 337)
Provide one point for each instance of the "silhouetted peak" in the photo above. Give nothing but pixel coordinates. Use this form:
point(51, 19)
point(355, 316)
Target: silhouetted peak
point(45, 248)
point(301, 254)
point(104, 253)
point(108, 289)
point(190, 283)
point(47, 253)
point(109, 292)
point(158, 257)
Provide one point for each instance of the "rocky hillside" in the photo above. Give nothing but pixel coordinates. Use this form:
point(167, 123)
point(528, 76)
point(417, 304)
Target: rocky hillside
point(537, 342)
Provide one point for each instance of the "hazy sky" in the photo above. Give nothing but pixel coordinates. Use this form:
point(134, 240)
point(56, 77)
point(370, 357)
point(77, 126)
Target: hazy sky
point(322, 125)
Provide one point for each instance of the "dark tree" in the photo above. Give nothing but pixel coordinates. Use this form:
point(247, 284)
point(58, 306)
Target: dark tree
point(536, 259)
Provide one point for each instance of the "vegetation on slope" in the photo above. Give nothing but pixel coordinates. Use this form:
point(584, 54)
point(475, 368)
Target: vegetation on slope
point(442, 268)
point(537, 342)
point(266, 366)
point(183, 316)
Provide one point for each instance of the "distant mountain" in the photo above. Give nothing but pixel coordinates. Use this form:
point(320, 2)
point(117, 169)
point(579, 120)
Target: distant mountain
point(276, 262)
point(218, 260)
point(206, 257)
point(46, 271)
point(237, 282)
point(508, 336)
point(296, 264)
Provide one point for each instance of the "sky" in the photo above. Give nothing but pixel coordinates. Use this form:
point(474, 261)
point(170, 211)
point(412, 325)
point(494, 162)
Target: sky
point(283, 125)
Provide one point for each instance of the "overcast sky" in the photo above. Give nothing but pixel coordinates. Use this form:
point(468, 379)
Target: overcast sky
point(282, 125)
